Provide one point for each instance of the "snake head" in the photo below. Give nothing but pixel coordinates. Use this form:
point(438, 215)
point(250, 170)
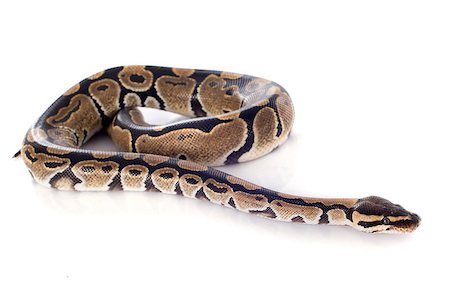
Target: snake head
point(375, 214)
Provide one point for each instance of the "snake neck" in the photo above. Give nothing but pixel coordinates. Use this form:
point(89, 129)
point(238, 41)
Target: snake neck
point(286, 207)
point(332, 211)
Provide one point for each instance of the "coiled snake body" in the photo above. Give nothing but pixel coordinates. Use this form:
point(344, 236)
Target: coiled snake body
point(234, 118)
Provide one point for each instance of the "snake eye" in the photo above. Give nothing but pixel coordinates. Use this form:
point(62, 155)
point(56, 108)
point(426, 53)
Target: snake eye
point(386, 221)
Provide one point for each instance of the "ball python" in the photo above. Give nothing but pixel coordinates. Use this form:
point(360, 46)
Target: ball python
point(230, 118)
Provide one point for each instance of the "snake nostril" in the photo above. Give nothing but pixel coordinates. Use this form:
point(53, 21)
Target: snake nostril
point(416, 218)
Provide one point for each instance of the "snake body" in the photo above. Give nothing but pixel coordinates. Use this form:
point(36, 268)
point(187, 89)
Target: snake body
point(232, 118)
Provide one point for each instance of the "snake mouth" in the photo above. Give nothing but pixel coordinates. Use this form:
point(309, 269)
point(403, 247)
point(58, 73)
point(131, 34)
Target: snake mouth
point(405, 225)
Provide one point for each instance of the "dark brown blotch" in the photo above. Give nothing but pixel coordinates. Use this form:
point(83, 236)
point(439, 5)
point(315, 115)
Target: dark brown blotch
point(268, 212)
point(213, 84)
point(29, 157)
point(135, 172)
point(88, 169)
point(191, 181)
point(324, 219)
point(54, 164)
point(231, 203)
point(298, 219)
point(166, 175)
point(173, 83)
point(216, 189)
point(136, 78)
point(201, 195)
point(102, 87)
point(229, 91)
point(178, 189)
point(107, 168)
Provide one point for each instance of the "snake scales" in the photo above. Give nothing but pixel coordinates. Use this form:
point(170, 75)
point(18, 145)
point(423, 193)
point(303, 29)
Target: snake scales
point(234, 118)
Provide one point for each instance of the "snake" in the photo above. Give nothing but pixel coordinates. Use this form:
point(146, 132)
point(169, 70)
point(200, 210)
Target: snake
point(229, 118)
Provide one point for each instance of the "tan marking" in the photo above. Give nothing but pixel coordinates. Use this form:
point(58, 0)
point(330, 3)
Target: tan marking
point(128, 71)
point(231, 76)
point(183, 72)
point(239, 181)
point(357, 217)
point(151, 102)
point(154, 160)
point(229, 116)
point(36, 164)
point(158, 128)
point(189, 189)
point(133, 177)
point(102, 154)
point(36, 134)
point(165, 184)
point(398, 218)
point(213, 96)
point(73, 120)
point(132, 100)
point(204, 148)
point(122, 137)
point(217, 197)
point(130, 155)
point(95, 175)
point(176, 92)
point(247, 202)
point(72, 90)
point(137, 117)
point(265, 131)
point(286, 113)
point(337, 217)
point(96, 75)
point(287, 211)
point(106, 93)
point(188, 165)
point(59, 150)
point(64, 184)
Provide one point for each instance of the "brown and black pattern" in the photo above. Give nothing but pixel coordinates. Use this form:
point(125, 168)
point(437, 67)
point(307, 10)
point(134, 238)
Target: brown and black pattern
point(177, 91)
point(136, 78)
point(230, 118)
point(106, 93)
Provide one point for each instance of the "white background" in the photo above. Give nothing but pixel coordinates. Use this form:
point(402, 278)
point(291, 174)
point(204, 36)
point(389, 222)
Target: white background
point(370, 83)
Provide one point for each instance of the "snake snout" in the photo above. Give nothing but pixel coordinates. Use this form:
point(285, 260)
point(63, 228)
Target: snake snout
point(407, 225)
point(415, 219)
